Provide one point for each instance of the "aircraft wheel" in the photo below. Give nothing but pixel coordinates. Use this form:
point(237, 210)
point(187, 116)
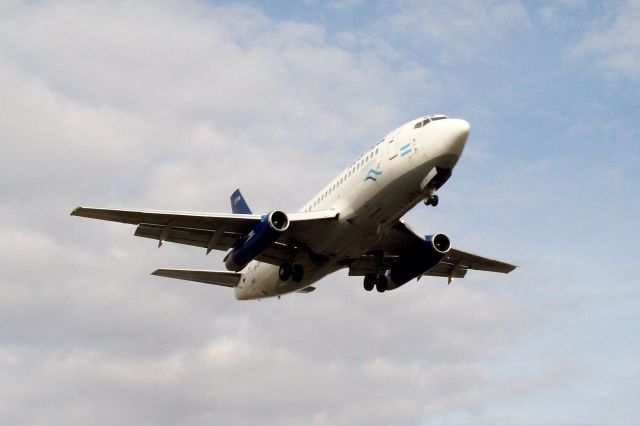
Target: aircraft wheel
point(434, 200)
point(285, 272)
point(381, 284)
point(369, 282)
point(297, 272)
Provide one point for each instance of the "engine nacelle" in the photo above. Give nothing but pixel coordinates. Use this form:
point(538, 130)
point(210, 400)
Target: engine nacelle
point(418, 260)
point(265, 233)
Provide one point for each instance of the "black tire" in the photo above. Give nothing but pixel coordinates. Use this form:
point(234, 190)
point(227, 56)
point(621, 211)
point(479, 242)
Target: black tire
point(297, 272)
point(285, 272)
point(381, 284)
point(434, 201)
point(369, 282)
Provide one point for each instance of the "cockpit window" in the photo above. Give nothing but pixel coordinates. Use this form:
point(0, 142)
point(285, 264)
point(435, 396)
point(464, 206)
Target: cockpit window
point(429, 119)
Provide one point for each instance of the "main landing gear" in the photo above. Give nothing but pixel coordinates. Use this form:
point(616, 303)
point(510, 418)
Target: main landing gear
point(294, 271)
point(377, 281)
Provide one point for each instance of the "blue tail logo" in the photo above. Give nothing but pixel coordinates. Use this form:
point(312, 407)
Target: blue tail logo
point(238, 204)
point(373, 174)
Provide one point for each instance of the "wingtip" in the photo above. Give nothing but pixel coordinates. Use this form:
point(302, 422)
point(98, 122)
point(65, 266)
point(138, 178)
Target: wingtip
point(76, 211)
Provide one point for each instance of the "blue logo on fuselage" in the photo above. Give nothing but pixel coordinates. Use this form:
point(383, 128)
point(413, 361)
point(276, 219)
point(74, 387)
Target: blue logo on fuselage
point(372, 174)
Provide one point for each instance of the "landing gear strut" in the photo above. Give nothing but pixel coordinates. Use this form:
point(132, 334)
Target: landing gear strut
point(288, 270)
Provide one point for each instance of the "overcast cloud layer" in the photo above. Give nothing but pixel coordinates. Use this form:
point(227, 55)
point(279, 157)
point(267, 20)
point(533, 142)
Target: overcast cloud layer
point(172, 105)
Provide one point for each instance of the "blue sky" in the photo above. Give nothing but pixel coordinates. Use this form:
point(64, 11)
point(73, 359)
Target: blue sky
point(173, 105)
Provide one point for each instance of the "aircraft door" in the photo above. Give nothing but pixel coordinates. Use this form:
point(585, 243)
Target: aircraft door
point(392, 147)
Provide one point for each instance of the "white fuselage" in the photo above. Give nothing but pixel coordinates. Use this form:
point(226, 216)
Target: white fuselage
point(370, 196)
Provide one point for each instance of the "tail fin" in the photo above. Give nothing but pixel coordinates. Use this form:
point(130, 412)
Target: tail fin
point(238, 204)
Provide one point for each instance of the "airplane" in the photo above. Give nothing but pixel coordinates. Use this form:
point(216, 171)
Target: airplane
point(354, 222)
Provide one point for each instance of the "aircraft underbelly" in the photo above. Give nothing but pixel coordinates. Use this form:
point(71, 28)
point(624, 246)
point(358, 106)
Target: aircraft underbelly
point(261, 279)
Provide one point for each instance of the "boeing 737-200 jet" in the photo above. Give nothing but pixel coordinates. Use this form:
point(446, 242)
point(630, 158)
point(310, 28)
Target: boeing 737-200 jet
point(354, 222)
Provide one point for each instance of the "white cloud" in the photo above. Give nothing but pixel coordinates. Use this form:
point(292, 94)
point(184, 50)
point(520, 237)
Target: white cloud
point(143, 85)
point(458, 30)
point(615, 42)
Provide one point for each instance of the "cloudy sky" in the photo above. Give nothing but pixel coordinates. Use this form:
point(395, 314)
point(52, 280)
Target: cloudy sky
point(174, 104)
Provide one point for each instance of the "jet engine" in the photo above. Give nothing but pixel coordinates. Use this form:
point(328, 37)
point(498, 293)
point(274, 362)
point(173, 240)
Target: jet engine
point(265, 233)
point(418, 260)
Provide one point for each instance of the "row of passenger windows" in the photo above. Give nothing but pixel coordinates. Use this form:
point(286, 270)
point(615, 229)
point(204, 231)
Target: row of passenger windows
point(355, 166)
point(428, 120)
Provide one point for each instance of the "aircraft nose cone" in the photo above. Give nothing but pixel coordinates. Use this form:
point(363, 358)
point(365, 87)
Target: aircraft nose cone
point(458, 135)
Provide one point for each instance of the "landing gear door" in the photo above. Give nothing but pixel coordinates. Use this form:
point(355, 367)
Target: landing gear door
point(392, 146)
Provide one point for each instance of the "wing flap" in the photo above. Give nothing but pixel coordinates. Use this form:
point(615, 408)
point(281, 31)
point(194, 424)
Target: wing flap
point(275, 254)
point(221, 278)
point(446, 271)
point(188, 236)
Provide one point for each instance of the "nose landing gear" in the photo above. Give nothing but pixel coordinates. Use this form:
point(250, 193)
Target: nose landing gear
point(432, 182)
point(431, 200)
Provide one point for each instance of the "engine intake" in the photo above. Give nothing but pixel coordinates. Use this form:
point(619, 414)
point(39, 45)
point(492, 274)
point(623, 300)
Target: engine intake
point(265, 233)
point(418, 260)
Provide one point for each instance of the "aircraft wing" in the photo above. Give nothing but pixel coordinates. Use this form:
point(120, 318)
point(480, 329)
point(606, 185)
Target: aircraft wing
point(214, 231)
point(454, 264)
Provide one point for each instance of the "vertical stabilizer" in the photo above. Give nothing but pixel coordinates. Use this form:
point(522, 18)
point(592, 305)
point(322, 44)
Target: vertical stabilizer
point(238, 204)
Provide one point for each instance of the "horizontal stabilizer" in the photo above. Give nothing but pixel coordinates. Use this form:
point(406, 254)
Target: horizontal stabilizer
point(223, 278)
